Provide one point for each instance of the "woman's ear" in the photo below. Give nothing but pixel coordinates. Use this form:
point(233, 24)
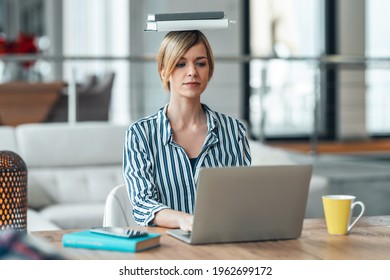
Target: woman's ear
point(162, 73)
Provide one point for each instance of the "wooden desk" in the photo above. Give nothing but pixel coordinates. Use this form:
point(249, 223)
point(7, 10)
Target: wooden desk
point(23, 102)
point(368, 240)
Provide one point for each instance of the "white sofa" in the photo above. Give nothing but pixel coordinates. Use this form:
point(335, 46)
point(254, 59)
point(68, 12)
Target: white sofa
point(71, 170)
point(73, 167)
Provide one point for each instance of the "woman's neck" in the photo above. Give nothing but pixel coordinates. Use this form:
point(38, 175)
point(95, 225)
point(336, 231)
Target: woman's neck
point(184, 114)
point(189, 126)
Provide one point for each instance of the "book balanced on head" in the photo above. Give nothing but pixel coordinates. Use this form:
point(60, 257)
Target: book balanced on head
point(187, 21)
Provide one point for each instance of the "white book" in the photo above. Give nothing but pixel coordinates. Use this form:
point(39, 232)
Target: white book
point(183, 25)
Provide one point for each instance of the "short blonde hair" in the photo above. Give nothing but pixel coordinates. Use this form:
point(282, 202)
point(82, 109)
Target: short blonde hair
point(173, 48)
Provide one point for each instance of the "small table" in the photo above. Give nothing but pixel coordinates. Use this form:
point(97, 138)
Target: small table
point(23, 102)
point(368, 240)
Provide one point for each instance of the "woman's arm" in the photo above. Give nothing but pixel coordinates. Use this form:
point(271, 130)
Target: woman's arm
point(138, 174)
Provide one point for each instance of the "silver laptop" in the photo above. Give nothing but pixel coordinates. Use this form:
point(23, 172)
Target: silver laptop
point(257, 203)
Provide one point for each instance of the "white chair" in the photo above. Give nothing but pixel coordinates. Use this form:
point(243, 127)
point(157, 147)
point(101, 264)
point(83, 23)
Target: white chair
point(118, 209)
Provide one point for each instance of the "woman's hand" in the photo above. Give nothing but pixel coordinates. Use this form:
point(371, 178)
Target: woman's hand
point(186, 221)
point(174, 219)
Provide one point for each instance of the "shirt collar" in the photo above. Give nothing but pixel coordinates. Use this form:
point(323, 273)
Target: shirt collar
point(166, 130)
point(212, 121)
point(164, 125)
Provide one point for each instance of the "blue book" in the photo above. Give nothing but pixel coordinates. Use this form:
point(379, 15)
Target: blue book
point(90, 240)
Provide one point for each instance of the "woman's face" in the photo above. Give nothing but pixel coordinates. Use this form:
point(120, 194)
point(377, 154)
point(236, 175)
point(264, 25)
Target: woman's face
point(191, 74)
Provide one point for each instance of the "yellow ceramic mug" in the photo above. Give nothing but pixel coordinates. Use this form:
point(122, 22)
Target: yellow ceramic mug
point(338, 213)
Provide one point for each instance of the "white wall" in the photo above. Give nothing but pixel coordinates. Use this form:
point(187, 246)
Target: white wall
point(224, 91)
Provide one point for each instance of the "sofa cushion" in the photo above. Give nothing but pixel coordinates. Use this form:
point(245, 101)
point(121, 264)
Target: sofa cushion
point(7, 139)
point(75, 215)
point(47, 186)
point(64, 144)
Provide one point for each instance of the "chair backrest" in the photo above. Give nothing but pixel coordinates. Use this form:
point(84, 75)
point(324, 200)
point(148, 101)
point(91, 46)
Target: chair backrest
point(118, 209)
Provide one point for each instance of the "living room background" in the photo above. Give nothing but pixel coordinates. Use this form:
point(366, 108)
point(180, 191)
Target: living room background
point(95, 36)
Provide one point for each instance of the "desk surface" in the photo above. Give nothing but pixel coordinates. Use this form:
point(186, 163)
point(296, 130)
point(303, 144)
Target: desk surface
point(368, 240)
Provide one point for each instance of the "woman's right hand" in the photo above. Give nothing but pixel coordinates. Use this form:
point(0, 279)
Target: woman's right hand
point(174, 219)
point(186, 221)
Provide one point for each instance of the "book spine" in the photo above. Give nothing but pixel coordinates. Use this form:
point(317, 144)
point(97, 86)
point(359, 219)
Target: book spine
point(178, 25)
point(186, 16)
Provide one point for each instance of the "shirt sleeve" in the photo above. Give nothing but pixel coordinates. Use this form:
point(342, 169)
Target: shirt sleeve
point(244, 146)
point(138, 174)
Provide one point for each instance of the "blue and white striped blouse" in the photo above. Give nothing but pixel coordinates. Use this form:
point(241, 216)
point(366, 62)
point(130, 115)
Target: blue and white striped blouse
point(157, 170)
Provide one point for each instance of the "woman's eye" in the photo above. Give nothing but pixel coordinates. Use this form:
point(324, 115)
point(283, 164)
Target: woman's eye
point(180, 65)
point(201, 64)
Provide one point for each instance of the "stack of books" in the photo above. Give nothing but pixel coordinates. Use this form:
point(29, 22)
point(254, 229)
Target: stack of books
point(187, 21)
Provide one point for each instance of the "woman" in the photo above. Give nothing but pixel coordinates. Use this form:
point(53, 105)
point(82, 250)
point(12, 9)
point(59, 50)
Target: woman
point(164, 152)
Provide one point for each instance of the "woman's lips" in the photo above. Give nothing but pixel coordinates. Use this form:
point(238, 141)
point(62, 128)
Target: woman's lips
point(192, 84)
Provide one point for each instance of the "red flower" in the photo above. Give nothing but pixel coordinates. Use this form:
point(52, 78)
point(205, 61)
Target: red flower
point(24, 44)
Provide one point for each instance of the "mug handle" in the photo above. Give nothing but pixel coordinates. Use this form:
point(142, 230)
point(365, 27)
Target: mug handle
point(358, 217)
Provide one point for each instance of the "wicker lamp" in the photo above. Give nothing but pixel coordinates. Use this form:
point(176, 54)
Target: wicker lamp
point(13, 192)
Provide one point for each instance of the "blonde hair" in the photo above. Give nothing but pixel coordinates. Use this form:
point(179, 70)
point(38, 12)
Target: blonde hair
point(173, 48)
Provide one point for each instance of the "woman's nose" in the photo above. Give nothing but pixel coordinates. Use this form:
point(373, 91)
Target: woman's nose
point(192, 70)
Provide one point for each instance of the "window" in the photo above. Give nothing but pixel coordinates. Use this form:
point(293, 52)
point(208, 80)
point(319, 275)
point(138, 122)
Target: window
point(378, 78)
point(99, 28)
point(282, 91)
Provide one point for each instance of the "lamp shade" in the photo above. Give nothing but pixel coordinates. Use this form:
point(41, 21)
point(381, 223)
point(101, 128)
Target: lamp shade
point(13, 192)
